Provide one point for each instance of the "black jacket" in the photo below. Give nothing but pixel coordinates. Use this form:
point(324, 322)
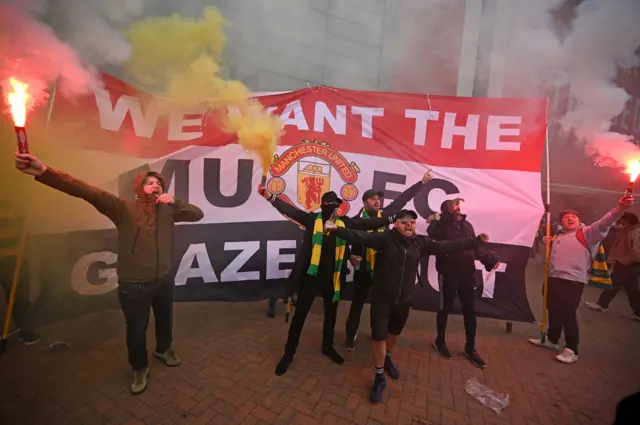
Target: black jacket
point(389, 211)
point(397, 260)
point(307, 219)
point(447, 229)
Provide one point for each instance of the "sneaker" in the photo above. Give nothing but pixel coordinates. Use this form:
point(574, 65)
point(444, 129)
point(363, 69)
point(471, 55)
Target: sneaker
point(595, 306)
point(442, 350)
point(333, 355)
point(546, 344)
point(351, 342)
point(379, 384)
point(140, 379)
point(283, 364)
point(28, 337)
point(567, 356)
point(391, 368)
point(475, 358)
point(169, 358)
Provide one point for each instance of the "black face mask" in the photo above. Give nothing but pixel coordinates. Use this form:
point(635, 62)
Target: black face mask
point(328, 209)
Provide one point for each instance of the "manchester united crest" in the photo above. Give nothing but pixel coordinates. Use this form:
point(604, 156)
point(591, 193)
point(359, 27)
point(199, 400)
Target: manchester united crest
point(316, 164)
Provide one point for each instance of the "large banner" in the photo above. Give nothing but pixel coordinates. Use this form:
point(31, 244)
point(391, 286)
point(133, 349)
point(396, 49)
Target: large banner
point(487, 151)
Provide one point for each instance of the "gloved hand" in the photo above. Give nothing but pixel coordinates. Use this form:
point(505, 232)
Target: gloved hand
point(489, 260)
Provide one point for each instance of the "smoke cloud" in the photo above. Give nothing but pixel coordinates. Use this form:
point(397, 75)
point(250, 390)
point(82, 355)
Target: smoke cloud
point(62, 42)
point(542, 57)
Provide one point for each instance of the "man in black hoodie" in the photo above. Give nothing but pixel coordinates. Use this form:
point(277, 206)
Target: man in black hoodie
point(399, 252)
point(319, 268)
point(456, 276)
point(363, 258)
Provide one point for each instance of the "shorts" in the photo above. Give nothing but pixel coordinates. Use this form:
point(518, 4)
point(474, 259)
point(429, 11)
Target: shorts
point(387, 318)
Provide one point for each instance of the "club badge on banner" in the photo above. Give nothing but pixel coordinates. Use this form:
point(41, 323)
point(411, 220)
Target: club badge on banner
point(486, 151)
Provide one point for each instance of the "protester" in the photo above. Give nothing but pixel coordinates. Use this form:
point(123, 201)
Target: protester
point(571, 256)
point(363, 258)
point(624, 256)
point(319, 268)
point(11, 226)
point(145, 241)
point(395, 276)
point(456, 277)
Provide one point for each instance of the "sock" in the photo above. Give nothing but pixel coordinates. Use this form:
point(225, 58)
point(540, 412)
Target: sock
point(388, 354)
point(380, 371)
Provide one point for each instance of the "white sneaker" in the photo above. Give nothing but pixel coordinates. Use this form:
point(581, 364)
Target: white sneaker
point(567, 356)
point(595, 306)
point(546, 344)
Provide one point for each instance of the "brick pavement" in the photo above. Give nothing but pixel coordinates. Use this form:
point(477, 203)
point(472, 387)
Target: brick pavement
point(230, 351)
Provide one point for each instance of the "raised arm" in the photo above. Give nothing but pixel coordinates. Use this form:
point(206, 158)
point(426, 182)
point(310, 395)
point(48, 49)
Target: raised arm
point(284, 208)
point(597, 231)
point(184, 211)
point(375, 240)
point(106, 203)
point(373, 223)
point(402, 199)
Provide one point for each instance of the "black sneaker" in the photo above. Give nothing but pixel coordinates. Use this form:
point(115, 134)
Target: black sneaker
point(391, 368)
point(283, 365)
point(351, 342)
point(442, 350)
point(379, 384)
point(28, 337)
point(333, 355)
point(475, 358)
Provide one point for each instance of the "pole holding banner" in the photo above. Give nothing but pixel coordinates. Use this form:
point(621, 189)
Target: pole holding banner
point(547, 207)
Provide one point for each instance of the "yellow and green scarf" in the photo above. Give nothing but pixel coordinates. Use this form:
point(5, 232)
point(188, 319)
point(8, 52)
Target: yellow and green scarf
point(599, 275)
point(341, 246)
point(370, 254)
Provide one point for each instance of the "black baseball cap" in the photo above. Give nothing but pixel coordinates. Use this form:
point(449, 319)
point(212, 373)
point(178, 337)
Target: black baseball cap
point(331, 198)
point(405, 213)
point(371, 193)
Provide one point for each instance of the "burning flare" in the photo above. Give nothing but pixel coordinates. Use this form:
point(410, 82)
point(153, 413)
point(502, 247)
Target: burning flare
point(17, 100)
point(633, 169)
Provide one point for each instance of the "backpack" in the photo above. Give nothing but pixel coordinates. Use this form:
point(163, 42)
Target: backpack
point(599, 275)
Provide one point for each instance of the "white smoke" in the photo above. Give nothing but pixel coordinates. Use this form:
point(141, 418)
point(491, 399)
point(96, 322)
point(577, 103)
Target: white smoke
point(94, 27)
point(62, 42)
point(541, 57)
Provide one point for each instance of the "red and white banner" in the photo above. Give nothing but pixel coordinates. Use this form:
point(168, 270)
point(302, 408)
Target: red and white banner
point(486, 151)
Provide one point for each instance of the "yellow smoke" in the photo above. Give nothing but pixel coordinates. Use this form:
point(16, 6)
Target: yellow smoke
point(179, 59)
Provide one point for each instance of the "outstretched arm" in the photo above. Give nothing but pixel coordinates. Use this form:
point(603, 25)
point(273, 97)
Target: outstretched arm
point(105, 202)
point(284, 208)
point(429, 246)
point(373, 240)
point(597, 231)
point(404, 198)
point(373, 223)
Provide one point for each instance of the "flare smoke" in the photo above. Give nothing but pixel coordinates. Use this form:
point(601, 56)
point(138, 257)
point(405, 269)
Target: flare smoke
point(62, 42)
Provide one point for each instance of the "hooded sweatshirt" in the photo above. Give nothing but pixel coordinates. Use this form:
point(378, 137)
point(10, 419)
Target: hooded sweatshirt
point(570, 259)
point(145, 229)
point(625, 249)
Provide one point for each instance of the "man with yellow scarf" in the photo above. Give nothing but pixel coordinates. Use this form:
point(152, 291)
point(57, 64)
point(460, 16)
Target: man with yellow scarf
point(318, 269)
point(363, 258)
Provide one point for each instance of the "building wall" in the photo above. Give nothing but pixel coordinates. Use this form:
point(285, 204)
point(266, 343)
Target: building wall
point(290, 44)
